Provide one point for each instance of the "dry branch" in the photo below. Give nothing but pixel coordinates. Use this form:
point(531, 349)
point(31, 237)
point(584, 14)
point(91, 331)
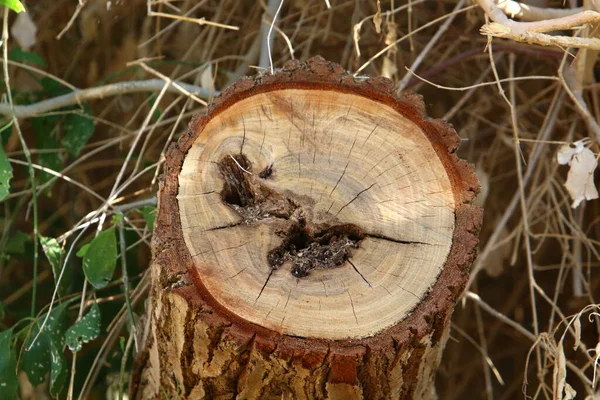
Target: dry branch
point(532, 32)
point(114, 89)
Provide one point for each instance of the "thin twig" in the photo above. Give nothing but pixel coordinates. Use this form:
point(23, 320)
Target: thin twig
point(170, 82)
point(266, 41)
point(524, 210)
point(74, 360)
point(503, 318)
point(80, 6)
point(490, 83)
point(126, 352)
point(358, 26)
point(395, 43)
point(546, 130)
point(172, 24)
point(125, 278)
point(199, 21)
point(42, 73)
point(269, 44)
point(430, 43)
point(59, 175)
point(566, 74)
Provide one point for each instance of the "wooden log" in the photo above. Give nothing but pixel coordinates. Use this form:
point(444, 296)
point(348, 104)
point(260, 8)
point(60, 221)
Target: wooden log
point(314, 233)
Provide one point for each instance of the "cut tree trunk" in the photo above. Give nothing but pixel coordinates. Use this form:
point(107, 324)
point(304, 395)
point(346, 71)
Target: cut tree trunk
point(314, 233)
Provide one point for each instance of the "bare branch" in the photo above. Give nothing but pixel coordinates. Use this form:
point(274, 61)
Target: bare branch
point(532, 32)
point(113, 89)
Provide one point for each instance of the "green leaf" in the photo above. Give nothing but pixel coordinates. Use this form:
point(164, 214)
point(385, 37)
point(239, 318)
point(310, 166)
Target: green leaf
point(83, 249)
point(8, 367)
point(51, 161)
point(44, 128)
point(116, 218)
point(16, 243)
point(14, 5)
point(55, 254)
point(5, 173)
point(149, 214)
point(78, 130)
point(100, 259)
point(54, 88)
point(46, 354)
point(18, 54)
point(84, 330)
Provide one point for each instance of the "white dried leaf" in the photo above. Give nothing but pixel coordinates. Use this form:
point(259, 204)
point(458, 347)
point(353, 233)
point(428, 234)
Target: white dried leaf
point(559, 374)
point(377, 18)
point(570, 393)
point(24, 30)
point(484, 182)
point(494, 29)
point(356, 38)
point(577, 327)
point(206, 79)
point(596, 363)
point(580, 180)
point(567, 151)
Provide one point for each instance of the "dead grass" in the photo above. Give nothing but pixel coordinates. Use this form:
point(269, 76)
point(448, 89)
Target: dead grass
point(529, 322)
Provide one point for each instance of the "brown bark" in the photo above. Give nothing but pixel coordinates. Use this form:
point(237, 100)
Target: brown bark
point(314, 233)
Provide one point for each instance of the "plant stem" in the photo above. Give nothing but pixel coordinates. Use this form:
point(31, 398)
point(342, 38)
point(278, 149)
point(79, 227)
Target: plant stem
point(125, 279)
point(27, 156)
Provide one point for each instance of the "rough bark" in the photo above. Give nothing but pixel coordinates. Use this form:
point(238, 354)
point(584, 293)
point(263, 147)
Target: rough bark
point(242, 247)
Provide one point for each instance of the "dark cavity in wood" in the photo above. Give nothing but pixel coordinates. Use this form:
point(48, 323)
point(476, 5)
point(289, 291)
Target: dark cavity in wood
point(321, 248)
point(305, 246)
point(245, 193)
point(267, 172)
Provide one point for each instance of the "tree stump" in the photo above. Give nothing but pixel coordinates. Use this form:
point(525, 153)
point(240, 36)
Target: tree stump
point(314, 233)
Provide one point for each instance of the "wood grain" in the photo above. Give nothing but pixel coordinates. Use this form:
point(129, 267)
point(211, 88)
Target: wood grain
point(344, 159)
point(314, 233)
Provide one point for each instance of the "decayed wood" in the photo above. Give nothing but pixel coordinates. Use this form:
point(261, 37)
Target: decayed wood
point(314, 233)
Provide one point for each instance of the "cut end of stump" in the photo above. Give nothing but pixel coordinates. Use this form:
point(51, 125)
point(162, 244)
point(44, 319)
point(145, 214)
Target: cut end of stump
point(319, 209)
point(314, 233)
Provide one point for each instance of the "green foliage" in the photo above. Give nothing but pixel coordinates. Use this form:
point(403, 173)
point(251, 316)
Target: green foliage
point(53, 132)
point(84, 330)
point(16, 243)
point(8, 367)
point(14, 5)
point(100, 258)
point(46, 353)
point(82, 250)
point(55, 254)
point(149, 214)
point(116, 218)
point(18, 54)
point(78, 129)
point(5, 173)
point(44, 128)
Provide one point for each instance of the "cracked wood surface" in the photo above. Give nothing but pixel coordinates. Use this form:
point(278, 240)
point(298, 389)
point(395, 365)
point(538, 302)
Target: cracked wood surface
point(342, 158)
point(314, 233)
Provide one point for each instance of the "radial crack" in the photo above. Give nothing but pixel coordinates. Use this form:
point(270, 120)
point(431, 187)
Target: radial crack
point(383, 237)
point(361, 275)
point(355, 197)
